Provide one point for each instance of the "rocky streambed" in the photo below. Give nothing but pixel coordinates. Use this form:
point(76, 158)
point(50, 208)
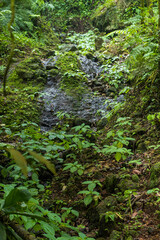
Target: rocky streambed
point(82, 105)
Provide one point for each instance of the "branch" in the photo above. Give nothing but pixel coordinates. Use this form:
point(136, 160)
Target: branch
point(24, 234)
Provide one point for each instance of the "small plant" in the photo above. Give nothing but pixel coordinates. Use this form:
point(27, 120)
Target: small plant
point(67, 212)
point(74, 167)
point(135, 162)
point(119, 139)
point(111, 216)
point(128, 196)
point(90, 194)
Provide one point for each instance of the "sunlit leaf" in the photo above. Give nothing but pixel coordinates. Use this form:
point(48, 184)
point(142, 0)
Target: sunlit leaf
point(19, 159)
point(43, 160)
point(118, 156)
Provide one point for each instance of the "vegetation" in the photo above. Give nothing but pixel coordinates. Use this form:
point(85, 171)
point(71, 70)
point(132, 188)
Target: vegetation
point(88, 176)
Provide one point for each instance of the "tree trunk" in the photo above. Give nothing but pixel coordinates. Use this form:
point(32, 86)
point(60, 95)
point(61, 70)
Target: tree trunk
point(12, 46)
point(159, 38)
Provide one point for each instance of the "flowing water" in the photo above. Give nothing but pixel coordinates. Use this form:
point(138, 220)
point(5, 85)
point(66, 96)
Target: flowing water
point(56, 100)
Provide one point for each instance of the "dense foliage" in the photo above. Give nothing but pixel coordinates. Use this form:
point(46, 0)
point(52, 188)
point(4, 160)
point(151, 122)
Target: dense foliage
point(79, 178)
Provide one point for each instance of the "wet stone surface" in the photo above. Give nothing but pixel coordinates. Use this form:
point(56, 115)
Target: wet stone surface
point(56, 100)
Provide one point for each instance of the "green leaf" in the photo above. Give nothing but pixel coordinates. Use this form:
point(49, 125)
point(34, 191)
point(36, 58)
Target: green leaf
point(118, 156)
point(49, 229)
point(80, 172)
point(76, 213)
point(87, 200)
point(15, 197)
point(73, 169)
point(91, 186)
point(3, 235)
point(19, 159)
point(83, 192)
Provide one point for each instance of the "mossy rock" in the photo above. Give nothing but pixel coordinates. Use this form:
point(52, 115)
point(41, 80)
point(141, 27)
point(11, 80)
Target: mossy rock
point(108, 204)
point(111, 182)
point(98, 43)
point(96, 216)
point(126, 184)
point(72, 78)
point(68, 62)
point(29, 70)
point(135, 178)
point(115, 235)
point(103, 19)
point(155, 175)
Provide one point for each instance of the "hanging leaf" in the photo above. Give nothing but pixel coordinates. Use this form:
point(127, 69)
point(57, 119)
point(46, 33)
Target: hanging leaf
point(43, 160)
point(19, 159)
point(15, 197)
point(3, 235)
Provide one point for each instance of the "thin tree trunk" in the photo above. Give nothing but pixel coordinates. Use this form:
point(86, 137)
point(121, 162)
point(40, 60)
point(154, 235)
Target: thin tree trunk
point(159, 38)
point(12, 46)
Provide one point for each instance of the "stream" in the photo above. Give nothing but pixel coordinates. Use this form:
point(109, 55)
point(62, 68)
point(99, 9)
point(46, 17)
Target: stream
point(55, 100)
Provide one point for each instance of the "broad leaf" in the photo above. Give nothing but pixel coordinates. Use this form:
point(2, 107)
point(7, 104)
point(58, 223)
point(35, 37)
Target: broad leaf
point(19, 159)
point(43, 160)
point(91, 186)
point(15, 197)
point(87, 200)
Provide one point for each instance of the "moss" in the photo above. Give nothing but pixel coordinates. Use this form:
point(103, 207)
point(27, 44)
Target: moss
point(135, 178)
point(72, 78)
point(155, 175)
point(68, 62)
point(103, 19)
point(126, 184)
point(29, 70)
point(19, 105)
